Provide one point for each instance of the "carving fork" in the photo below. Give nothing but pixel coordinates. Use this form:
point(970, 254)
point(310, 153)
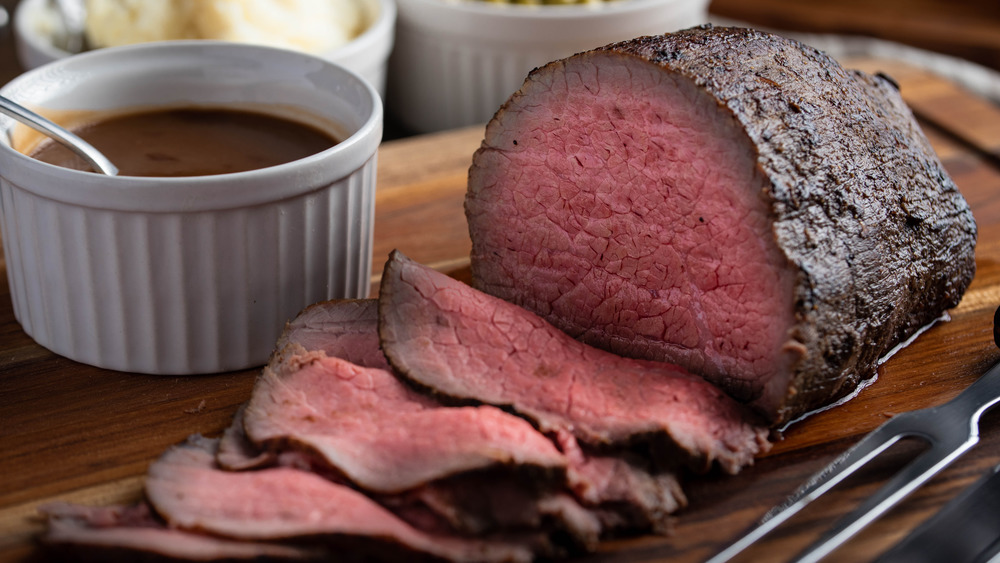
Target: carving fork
point(951, 429)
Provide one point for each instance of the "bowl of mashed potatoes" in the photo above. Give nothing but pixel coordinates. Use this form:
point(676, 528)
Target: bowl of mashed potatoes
point(356, 34)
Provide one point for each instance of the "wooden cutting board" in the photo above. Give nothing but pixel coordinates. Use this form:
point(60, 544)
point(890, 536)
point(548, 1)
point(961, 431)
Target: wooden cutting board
point(77, 433)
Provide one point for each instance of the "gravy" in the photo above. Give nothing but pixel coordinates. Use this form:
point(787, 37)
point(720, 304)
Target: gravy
point(191, 142)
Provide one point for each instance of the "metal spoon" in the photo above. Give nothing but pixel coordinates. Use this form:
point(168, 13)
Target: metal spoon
point(74, 143)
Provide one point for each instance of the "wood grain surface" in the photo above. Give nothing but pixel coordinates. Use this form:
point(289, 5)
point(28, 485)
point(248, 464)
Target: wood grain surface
point(969, 29)
point(78, 433)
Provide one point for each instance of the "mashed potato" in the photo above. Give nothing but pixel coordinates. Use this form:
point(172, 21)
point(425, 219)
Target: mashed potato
point(308, 25)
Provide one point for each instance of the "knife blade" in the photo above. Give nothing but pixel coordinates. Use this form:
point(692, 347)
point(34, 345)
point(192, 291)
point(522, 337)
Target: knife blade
point(966, 530)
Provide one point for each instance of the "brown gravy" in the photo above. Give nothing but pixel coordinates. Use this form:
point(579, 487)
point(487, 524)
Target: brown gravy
point(191, 142)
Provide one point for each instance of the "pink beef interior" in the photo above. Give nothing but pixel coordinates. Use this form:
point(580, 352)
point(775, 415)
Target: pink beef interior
point(630, 203)
point(192, 494)
point(346, 328)
point(381, 434)
point(128, 533)
point(467, 344)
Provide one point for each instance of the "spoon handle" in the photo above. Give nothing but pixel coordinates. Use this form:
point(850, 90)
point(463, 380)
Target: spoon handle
point(71, 141)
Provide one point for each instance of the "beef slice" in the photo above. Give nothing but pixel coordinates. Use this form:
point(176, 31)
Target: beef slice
point(468, 345)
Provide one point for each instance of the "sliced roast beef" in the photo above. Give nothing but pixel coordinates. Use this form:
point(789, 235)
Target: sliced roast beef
point(626, 492)
point(133, 533)
point(465, 344)
point(446, 469)
point(489, 504)
point(466, 498)
point(384, 436)
point(236, 452)
point(284, 504)
point(344, 328)
point(724, 199)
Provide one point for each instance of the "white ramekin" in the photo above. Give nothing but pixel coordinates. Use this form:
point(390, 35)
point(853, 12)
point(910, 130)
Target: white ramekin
point(198, 274)
point(456, 61)
point(36, 27)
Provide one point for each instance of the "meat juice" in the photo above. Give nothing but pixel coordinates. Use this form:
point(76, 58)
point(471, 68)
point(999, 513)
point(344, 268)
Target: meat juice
point(191, 142)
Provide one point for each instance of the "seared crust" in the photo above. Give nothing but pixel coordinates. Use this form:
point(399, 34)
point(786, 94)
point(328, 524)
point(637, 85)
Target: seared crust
point(882, 238)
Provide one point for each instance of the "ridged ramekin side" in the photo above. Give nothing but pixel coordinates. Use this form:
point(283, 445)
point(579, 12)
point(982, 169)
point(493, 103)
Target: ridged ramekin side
point(182, 293)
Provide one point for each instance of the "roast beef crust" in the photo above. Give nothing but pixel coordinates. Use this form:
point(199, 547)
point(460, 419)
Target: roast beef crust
point(880, 238)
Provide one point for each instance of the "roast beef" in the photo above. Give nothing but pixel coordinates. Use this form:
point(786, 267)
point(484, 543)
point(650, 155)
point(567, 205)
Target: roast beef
point(343, 328)
point(236, 452)
point(625, 491)
point(384, 436)
point(285, 504)
point(466, 494)
point(724, 199)
point(490, 504)
point(133, 533)
point(442, 468)
point(490, 473)
point(465, 344)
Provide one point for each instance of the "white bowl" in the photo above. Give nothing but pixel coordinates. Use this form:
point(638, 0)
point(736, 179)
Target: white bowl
point(38, 35)
point(456, 61)
point(196, 274)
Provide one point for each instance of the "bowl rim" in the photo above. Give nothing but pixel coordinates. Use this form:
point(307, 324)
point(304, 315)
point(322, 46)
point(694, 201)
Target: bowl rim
point(193, 193)
point(26, 33)
point(514, 11)
point(496, 23)
point(377, 35)
point(380, 28)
